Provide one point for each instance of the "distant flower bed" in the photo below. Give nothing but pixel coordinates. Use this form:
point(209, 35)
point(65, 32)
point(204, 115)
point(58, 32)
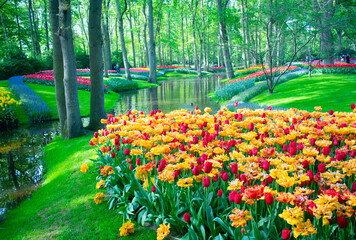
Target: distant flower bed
point(48, 80)
point(35, 107)
point(241, 174)
point(217, 69)
point(8, 106)
point(228, 91)
point(165, 67)
point(249, 70)
point(336, 68)
point(260, 75)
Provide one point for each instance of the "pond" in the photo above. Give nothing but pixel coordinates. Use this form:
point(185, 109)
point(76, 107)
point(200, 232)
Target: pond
point(173, 94)
point(21, 151)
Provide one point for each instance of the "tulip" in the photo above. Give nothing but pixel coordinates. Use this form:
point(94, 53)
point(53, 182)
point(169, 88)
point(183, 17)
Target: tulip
point(312, 141)
point(269, 179)
point(232, 195)
point(208, 167)
point(321, 167)
point(286, 131)
point(285, 147)
point(138, 162)
point(131, 167)
point(251, 126)
point(234, 168)
point(236, 104)
point(238, 198)
point(342, 222)
point(206, 181)
point(96, 134)
point(225, 176)
point(352, 106)
point(186, 217)
point(305, 164)
point(113, 154)
point(153, 189)
point(243, 178)
point(310, 174)
point(243, 231)
point(196, 170)
point(265, 165)
point(331, 112)
point(353, 188)
point(216, 178)
point(127, 151)
point(220, 192)
point(286, 234)
point(269, 198)
point(326, 151)
point(300, 146)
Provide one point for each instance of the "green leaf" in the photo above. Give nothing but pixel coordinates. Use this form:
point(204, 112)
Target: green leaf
point(224, 225)
point(219, 237)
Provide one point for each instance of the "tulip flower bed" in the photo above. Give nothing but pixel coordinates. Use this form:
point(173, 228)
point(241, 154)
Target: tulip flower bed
point(169, 67)
point(7, 106)
point(228, 91)
point(260, 75)
point(262, 174)
point(48, 80)
point(336, 68)
point(217, 69)
point(249, 70)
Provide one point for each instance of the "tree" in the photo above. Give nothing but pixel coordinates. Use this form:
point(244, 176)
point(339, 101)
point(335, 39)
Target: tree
point(152, 78)
point(107, 51)
point(221, 6)
point(120, 15)
point(74, 121)
point(58, 66)
point(97, 110)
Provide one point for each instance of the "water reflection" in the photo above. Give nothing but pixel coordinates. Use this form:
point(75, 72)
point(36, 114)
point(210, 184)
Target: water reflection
point(172, 95)
point(21, 166)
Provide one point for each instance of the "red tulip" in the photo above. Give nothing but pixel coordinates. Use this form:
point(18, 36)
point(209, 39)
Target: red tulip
point(220, 192)
point(208, 167)
point(138, 162)
point(352, 106)
point(131, 167)
point(265, 165)
point(232, 195)
point(305, 164)
point(331, 112)
point(196, 170)
point(353, 188)
point(234, 168)
point(127, 151)
point(113, 154)
point(153, 188)
point(236, 104)
point(252, 126)
point(206, 181)
point(286, 234)
point(238, 198)
point(321, 167)
point(342, 222)
point(243, 231)
point(186, 217)
point(326, 151)
point(269, 198)
point(269, 179)
point(225, 176)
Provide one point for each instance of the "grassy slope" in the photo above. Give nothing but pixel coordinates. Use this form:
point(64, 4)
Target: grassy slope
point(47, 93)
point(63, 208)
point(330, 91)
point(19, 112)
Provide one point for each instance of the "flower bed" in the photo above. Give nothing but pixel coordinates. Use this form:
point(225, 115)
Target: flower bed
point(48, 80)
point(246, 174)
point(36, 109)
point(249, 70)
point(335, 68)
point(169, 67)
point(217, 69)
point(7, 109)
point(260, 75)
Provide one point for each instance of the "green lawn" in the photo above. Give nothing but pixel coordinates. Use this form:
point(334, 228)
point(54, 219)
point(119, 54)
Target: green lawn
point(63, 207)
point(330, 91)
point(169, 75)
point(19, 112)
point(47, 93)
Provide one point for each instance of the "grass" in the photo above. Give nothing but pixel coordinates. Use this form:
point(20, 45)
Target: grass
point(169, 75)
point(19, 112)
point(48, 94)
point(330, 91)
point(141, 83)
point(63, 207)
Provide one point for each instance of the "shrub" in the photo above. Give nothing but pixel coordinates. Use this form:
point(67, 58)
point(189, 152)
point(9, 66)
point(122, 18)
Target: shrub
point(119, 84)
point(230, 90)
point(36, 109)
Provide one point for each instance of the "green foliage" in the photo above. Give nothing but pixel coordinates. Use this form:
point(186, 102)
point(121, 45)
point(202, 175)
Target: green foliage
point(119, 84)
point(82, 60)
point(332, 70)
point(116, 57)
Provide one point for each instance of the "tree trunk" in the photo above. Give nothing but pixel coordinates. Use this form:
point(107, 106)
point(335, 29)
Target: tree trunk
point(152, 78)
point(243, 34)
point(196, 61)
point(74, 122)
point(46, 24)
point(183, 58)
point(122, 38)
point(145, 32)
point(132, 35)
point(169, 38)
point(97, 110)
point(116, 38)
point(228, 65)
point(107, 48)
point(31, 28)
point(188, 52)
point(18, 29)
point(36, 43)
point(58, 67)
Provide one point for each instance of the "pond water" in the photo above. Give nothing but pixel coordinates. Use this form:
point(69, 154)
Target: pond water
point(21, 166)
point(173, 94)
point(21, 151)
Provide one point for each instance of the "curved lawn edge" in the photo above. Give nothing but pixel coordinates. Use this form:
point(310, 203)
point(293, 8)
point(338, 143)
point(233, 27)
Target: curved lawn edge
point(63, 207)
point(330, 91)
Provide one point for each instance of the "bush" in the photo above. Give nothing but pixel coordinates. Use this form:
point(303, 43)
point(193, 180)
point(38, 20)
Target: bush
point(230, 90)
point(119, 84)
point(82, 60)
